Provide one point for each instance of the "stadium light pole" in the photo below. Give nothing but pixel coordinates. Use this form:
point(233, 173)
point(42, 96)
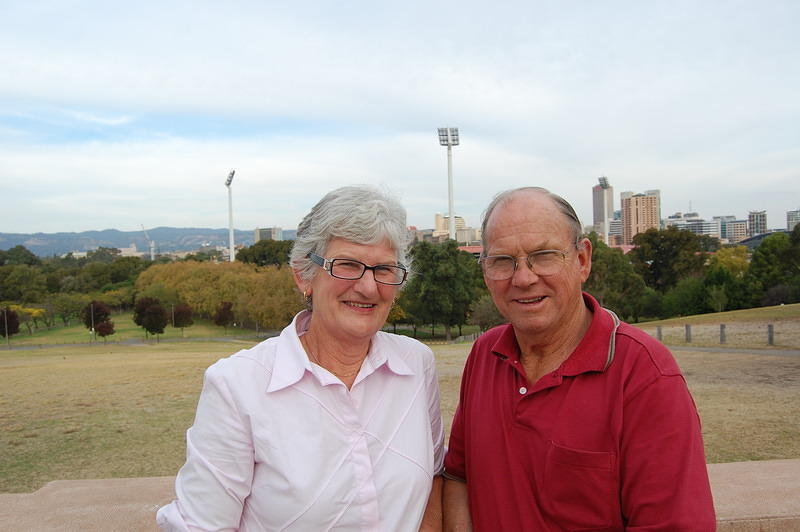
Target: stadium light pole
point(448, 136)
point(230, 215)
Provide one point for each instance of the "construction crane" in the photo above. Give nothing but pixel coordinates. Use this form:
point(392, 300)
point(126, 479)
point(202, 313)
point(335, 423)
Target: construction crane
point(151, 243)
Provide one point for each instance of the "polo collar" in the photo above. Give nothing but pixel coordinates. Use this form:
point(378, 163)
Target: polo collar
point(291, 362)
point(595, 352)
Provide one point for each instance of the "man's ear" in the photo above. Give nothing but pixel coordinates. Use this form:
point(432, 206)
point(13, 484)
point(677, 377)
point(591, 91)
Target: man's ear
point(585, 258)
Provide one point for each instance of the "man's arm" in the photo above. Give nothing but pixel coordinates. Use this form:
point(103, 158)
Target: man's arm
point(664, 477)
point(432, 518)
point(455, 507)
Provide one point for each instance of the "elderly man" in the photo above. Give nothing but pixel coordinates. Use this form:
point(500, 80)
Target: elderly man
point(568, 419)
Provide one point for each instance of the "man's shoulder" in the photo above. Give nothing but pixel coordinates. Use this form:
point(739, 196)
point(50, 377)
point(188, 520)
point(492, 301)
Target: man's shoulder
point(490, 337)
point(638, 347)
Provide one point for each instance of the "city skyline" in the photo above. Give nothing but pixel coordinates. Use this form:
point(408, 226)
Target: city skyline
point(134, 116)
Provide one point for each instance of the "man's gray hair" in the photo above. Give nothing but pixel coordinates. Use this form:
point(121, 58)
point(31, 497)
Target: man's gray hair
point(562, 205)
point(361, 214)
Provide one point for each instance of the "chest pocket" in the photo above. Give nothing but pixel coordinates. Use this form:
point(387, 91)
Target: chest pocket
point(580, 488)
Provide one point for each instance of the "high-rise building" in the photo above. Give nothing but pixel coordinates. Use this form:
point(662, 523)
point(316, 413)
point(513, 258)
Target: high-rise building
point(757, 223)
point(792, 219)
point(441, 225)
point(268, 233)
point(640, 212)
point(603, 207)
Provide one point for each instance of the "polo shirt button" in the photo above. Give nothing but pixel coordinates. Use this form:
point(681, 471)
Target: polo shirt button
point(523, 390)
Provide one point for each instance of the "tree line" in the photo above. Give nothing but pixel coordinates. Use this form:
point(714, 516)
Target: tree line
point(668, 273)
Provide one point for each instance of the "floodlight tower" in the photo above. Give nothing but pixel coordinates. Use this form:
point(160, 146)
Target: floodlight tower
point(448, 136)
point(230, 215)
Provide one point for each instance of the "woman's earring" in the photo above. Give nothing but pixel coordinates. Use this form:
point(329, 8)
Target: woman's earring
point(307, 298)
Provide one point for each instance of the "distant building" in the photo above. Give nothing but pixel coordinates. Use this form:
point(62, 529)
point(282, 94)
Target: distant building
point(692, 222)
point(130, 251)
point(756, 223)
point(268, 233)
point(441, 225)
point(731, 230)
point(615, 230)
point(640, 212)
point(792, 219)
point(468, 236)
point(602, 207)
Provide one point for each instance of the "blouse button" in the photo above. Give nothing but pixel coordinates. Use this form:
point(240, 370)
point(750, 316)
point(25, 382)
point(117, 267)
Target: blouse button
point(523, 390)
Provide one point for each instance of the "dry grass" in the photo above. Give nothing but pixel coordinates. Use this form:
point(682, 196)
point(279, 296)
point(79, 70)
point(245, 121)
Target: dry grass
point(122, 410)
point(743, 328)
point(99, 412)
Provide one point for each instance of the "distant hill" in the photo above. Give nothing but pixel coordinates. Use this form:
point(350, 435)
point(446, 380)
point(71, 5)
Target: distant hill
point(166, 238)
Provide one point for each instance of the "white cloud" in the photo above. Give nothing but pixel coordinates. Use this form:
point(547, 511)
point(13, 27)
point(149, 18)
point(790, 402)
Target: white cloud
point(138, 111)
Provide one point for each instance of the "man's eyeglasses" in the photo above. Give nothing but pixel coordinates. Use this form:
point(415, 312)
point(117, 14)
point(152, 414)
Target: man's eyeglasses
point(352, 269)
point(543, 263)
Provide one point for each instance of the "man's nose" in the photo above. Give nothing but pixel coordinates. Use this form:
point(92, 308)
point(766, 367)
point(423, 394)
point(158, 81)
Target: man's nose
point(524, 274)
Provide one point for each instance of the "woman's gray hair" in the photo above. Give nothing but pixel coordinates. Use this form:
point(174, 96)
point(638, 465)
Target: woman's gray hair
point(359, 213)
point(562, 205)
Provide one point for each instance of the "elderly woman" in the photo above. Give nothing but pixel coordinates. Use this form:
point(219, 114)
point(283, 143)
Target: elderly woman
point(333, 425)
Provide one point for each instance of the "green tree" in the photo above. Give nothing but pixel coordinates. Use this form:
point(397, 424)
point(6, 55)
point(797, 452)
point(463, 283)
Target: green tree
point(266, 252)
point(10, 324)
point(613, 281)
point(708, 243)
point(686, 298)
point(724, 290)
point(663, 257)
point(68, 306)
point(443, 286)
point(22, 283)
point(717, 298)
point(103, 255)
point(770, 266)
point(485, 314)
point(94, 276)
point(19, 255)
point(125, 269)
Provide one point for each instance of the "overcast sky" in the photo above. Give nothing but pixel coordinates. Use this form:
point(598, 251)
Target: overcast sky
point(117, 114)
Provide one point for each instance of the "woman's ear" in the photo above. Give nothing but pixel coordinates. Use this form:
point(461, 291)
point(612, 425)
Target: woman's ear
point(303, 285)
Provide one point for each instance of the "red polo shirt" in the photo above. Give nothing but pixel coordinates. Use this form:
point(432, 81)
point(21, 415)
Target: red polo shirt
point(610, 440)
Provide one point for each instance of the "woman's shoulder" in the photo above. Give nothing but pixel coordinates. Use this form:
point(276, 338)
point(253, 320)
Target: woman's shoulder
point(260, 356)
point(412, 351)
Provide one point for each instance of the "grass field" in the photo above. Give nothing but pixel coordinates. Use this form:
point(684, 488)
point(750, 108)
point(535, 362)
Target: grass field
point(125, 331)
point(121, 410)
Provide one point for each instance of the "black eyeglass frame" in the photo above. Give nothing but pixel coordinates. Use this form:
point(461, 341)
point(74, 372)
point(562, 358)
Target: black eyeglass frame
point(327, 265)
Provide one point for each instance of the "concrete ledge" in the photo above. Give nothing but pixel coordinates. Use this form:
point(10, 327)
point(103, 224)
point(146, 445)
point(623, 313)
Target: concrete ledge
point(749, 497)
point(117, 504)
point(757, 496)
